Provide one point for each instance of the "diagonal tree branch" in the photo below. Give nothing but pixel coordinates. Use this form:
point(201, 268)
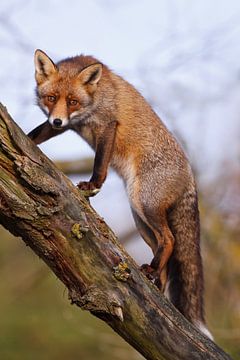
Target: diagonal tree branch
point(40, 204)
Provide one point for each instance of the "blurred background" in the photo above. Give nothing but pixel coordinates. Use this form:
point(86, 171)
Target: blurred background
point(184, 58)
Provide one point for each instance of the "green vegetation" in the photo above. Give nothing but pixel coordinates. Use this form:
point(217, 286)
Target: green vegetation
point(37, 320)
point(221, 254)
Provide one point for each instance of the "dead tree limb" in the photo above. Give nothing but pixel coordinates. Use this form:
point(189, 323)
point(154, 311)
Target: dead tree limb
point(41, 205)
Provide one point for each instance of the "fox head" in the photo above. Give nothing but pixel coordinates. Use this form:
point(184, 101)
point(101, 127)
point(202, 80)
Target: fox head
point(66, 90)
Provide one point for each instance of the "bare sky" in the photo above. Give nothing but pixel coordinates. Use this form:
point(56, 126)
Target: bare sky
point(183, 55)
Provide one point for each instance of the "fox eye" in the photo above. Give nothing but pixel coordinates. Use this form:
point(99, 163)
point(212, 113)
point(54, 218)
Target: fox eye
point(51, 98)
point(72, 102)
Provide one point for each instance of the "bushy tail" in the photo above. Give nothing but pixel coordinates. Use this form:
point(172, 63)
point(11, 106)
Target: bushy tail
point(185, 272)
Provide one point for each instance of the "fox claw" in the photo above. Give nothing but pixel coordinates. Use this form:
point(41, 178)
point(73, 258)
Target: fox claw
point(152, 275)
point(87, 188)
point(148, 271)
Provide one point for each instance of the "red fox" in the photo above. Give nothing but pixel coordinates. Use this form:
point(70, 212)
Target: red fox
point(82, 94)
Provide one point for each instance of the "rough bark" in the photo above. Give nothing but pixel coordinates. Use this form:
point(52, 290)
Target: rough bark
point(42, 206)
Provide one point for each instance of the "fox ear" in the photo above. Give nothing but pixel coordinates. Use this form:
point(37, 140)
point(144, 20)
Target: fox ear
point(44, 66)
point(91, 74)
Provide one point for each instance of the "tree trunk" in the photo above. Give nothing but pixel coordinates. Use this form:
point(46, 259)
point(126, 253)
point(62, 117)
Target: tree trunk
point(42, 206)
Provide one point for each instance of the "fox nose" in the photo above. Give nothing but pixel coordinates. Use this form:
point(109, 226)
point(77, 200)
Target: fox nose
point(57, 122)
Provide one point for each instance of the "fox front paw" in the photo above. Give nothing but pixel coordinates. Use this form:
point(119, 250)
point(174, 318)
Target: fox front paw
point(88, 188)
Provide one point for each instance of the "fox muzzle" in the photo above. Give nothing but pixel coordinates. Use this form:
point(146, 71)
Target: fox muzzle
point(58, 123)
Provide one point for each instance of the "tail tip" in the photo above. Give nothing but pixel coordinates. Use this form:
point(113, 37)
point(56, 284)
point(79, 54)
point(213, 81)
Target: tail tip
point(202, 327)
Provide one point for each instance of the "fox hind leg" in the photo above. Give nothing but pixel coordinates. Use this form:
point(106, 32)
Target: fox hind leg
point(156, 233)
point(161, 243)
point(164, 251)
point(145, 231)
point(150, 239)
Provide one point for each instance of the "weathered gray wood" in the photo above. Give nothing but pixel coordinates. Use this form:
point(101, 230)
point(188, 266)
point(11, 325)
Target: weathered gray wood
point(40, 204)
